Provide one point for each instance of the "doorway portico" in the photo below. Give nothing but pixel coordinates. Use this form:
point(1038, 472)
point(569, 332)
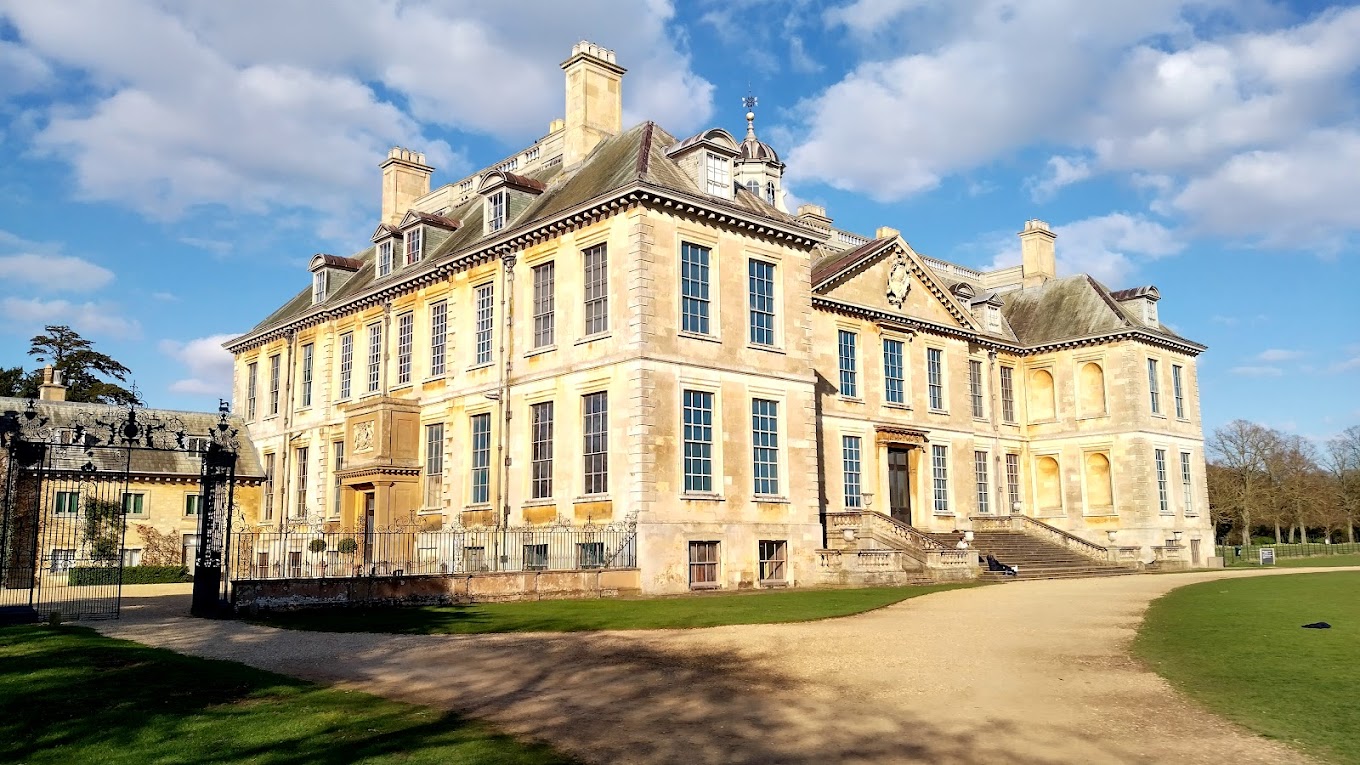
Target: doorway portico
point(899, 452)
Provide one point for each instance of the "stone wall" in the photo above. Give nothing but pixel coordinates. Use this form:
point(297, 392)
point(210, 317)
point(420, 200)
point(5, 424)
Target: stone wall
point(254, 595)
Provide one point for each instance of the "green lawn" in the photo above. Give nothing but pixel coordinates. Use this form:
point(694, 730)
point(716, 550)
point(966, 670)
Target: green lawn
point(69, 695)
point(1238, 647)
point(1320, 560)
point(581, 615)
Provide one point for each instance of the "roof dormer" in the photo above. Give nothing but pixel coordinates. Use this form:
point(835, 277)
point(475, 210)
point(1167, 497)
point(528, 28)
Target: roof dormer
point(707, 159)
point(328, 273)
point(986, 308)
point(1142, 301)
point(384, 238)
point(505, 195)
point(417, 229)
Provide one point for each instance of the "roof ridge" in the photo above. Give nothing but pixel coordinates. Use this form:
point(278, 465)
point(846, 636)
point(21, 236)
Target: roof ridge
point(1109, 301)
point(645, 150)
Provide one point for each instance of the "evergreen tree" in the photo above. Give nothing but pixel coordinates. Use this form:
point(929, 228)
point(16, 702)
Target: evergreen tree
point(88, 374)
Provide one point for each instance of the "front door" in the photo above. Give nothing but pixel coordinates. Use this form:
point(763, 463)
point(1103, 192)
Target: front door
point(899, 489)
point(370, 530)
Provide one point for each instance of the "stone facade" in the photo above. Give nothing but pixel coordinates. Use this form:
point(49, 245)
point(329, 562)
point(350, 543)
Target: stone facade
point(643, 337)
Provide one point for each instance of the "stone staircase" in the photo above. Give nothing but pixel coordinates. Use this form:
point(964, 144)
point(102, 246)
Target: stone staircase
point(1036, 558)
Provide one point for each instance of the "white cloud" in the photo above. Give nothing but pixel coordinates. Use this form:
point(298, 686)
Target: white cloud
point(1249, 134)
point(263, 105)
point(1257, 371)
point(208, 365)
point(1061, 171)
point(21, 71)
point(54, 273)
point(1272, 355)
point(89, 318)
point(1108, 247)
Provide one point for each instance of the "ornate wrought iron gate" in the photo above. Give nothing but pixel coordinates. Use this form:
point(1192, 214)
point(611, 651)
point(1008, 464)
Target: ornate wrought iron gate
point(66, 492)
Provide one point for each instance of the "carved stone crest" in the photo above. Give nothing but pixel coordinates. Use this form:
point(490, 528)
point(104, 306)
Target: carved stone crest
point(363, 437)
point(899, 281)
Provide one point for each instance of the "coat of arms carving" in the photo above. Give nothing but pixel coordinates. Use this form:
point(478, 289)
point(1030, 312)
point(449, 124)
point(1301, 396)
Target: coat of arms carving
point(899, 282)
point(363, 437)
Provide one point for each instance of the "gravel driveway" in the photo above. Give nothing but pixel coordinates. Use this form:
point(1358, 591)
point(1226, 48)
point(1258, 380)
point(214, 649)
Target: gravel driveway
point(1025, 672)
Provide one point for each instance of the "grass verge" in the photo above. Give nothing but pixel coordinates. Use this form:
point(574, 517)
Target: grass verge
point(1344, 559)
point(584, 615)
point(1238, 647)
point(70, 695)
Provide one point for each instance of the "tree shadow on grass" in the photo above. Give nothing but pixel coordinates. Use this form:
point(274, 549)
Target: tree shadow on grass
point(616, 697)
point(69, 695)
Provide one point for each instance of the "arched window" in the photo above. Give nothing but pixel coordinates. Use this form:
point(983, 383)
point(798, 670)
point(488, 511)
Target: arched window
point(753, 187)
point(1099, 487)
point(1049, 484)
point(1041, 404)
point(1091, 386)
point(769, 192)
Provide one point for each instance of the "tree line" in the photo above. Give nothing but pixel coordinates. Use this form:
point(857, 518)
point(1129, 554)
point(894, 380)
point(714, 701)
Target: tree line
point(89, 375)
point(1263, 482)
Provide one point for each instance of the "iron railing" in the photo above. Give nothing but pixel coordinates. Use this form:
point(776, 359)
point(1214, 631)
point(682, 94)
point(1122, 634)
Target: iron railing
point(1243, 555)
point(311, 553)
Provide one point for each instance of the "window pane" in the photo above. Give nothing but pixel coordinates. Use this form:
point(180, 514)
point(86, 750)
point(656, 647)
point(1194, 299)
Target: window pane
point(274, 384)
point(1153, 393)
point(703, 564)
point(983, 487)
point(773, 560)
point(975, 386)
point(939, 464)
point(1187, 495)
point(894, 383)
point(375, 334)
point(761, 293)
point(765, 441)
point(300, 489)
point(1008, 394)
point(541, 434)
point(439, 326)
point(1013, 482)
point(846, 353)
point(1176, 390)
point(434, 463)
point(850, 465)
point(694, 288)
point(346, 364)
point(595, 450)
point(1163, 502)
point(252, 384)
point(596, 290)
point(545, 304)
point(935, 377)
point(481, 458)
point(405, 334)
point(698, 427)
point(484, 295)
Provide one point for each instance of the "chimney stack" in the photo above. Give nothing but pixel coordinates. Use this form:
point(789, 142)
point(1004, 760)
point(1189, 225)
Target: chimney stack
point(814, 215)
point(1038, 262)
point(51, 388)
point(405, 178)
point(594, 100)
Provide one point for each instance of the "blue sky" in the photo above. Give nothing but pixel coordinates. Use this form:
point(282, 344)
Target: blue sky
point(169, 168)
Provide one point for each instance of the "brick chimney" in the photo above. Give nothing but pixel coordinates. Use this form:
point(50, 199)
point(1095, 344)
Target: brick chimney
point(594, 100)
point(1037, 257)
point(405, 178)
point(51, 388)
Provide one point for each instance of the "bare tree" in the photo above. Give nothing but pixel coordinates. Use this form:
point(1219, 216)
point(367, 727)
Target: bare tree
point(1342, 462)
point(1240, 448)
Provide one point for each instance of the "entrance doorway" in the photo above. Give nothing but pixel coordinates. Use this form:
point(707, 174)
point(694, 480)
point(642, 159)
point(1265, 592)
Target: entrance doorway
point(370, 526)
point(899, 487)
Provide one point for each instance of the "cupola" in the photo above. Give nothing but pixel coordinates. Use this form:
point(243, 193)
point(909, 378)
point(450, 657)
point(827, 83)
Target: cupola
point(758, 169)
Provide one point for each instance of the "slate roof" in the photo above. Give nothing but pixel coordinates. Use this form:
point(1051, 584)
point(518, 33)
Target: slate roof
point(178, 462)
point(637, 154)
point(1068, 308)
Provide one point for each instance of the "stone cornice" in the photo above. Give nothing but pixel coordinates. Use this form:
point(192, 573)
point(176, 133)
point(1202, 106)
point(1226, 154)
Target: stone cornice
point(713, 211)
point(1001, 344)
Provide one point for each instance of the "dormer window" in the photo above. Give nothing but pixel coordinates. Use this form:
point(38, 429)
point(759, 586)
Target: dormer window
point(385, 257)
point(993, 318)
point(497, 206)
point(329, 273)
point(719, 175)
point(320, 286)
point(415, 245)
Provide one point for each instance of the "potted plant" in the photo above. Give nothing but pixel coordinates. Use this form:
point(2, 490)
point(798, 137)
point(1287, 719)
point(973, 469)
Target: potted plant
point(317, 547)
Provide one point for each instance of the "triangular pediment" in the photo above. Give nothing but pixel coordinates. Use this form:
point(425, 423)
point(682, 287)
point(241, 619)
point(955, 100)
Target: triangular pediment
point(892, 278)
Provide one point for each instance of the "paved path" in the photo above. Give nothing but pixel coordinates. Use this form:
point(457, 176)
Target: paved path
point(1026, 672)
